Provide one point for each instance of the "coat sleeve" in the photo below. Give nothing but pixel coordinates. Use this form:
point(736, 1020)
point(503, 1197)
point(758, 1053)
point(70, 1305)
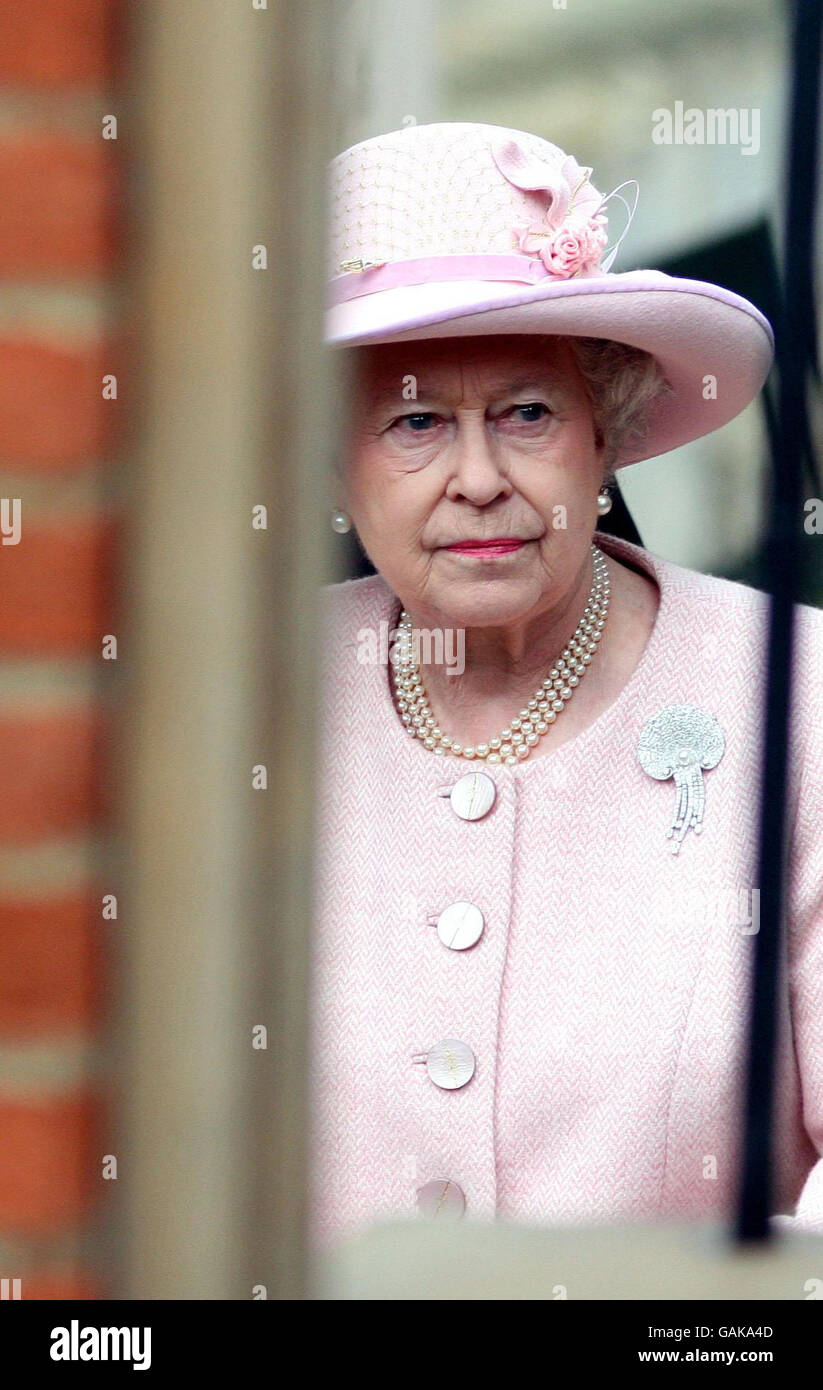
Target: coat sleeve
point(805, 908)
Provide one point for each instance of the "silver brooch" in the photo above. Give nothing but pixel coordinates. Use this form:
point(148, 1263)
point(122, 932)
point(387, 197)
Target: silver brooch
point(358, 263)
point(680, 742)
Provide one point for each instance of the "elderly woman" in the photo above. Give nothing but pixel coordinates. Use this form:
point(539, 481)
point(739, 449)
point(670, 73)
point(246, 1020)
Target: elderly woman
point(537, 827)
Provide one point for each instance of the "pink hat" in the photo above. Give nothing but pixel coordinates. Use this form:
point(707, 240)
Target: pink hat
point(458, 229)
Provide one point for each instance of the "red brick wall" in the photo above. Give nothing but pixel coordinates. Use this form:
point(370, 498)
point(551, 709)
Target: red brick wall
point(60, 215)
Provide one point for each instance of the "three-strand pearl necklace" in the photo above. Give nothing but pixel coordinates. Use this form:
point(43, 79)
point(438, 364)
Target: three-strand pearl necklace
point(515, 742)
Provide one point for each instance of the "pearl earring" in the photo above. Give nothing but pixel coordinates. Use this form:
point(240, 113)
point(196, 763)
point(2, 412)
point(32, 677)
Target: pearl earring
point(340, 522)
point(604, 503)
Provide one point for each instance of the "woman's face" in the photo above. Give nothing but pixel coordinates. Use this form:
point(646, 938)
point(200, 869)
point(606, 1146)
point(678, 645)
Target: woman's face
point(474, 439)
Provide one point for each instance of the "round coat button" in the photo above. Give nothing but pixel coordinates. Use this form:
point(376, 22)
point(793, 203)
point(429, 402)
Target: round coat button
point(472, 797)
point(460, 925)
point(441, 1200)
point(450, 1064)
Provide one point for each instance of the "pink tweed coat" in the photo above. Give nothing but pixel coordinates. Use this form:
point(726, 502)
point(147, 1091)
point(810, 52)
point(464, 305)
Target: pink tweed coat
point(605, 1001)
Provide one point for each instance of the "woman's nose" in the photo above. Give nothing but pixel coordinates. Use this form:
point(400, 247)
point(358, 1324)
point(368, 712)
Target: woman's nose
point(478, 472)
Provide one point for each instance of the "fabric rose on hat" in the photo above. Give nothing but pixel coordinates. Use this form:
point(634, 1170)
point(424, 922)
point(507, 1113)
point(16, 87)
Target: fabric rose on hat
point(571, 238)
point(564, 251)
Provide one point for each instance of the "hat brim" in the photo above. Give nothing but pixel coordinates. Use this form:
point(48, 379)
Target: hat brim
point(714, 347)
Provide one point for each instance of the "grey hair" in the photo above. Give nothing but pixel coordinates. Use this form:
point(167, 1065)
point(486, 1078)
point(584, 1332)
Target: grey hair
point(622, 382)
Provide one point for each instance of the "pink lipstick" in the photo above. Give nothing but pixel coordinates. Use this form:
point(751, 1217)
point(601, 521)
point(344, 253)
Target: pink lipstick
point(501, 545)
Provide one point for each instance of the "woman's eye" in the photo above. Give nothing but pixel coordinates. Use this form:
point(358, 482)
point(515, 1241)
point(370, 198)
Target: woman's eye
point(530, 413)
point(417, 424)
